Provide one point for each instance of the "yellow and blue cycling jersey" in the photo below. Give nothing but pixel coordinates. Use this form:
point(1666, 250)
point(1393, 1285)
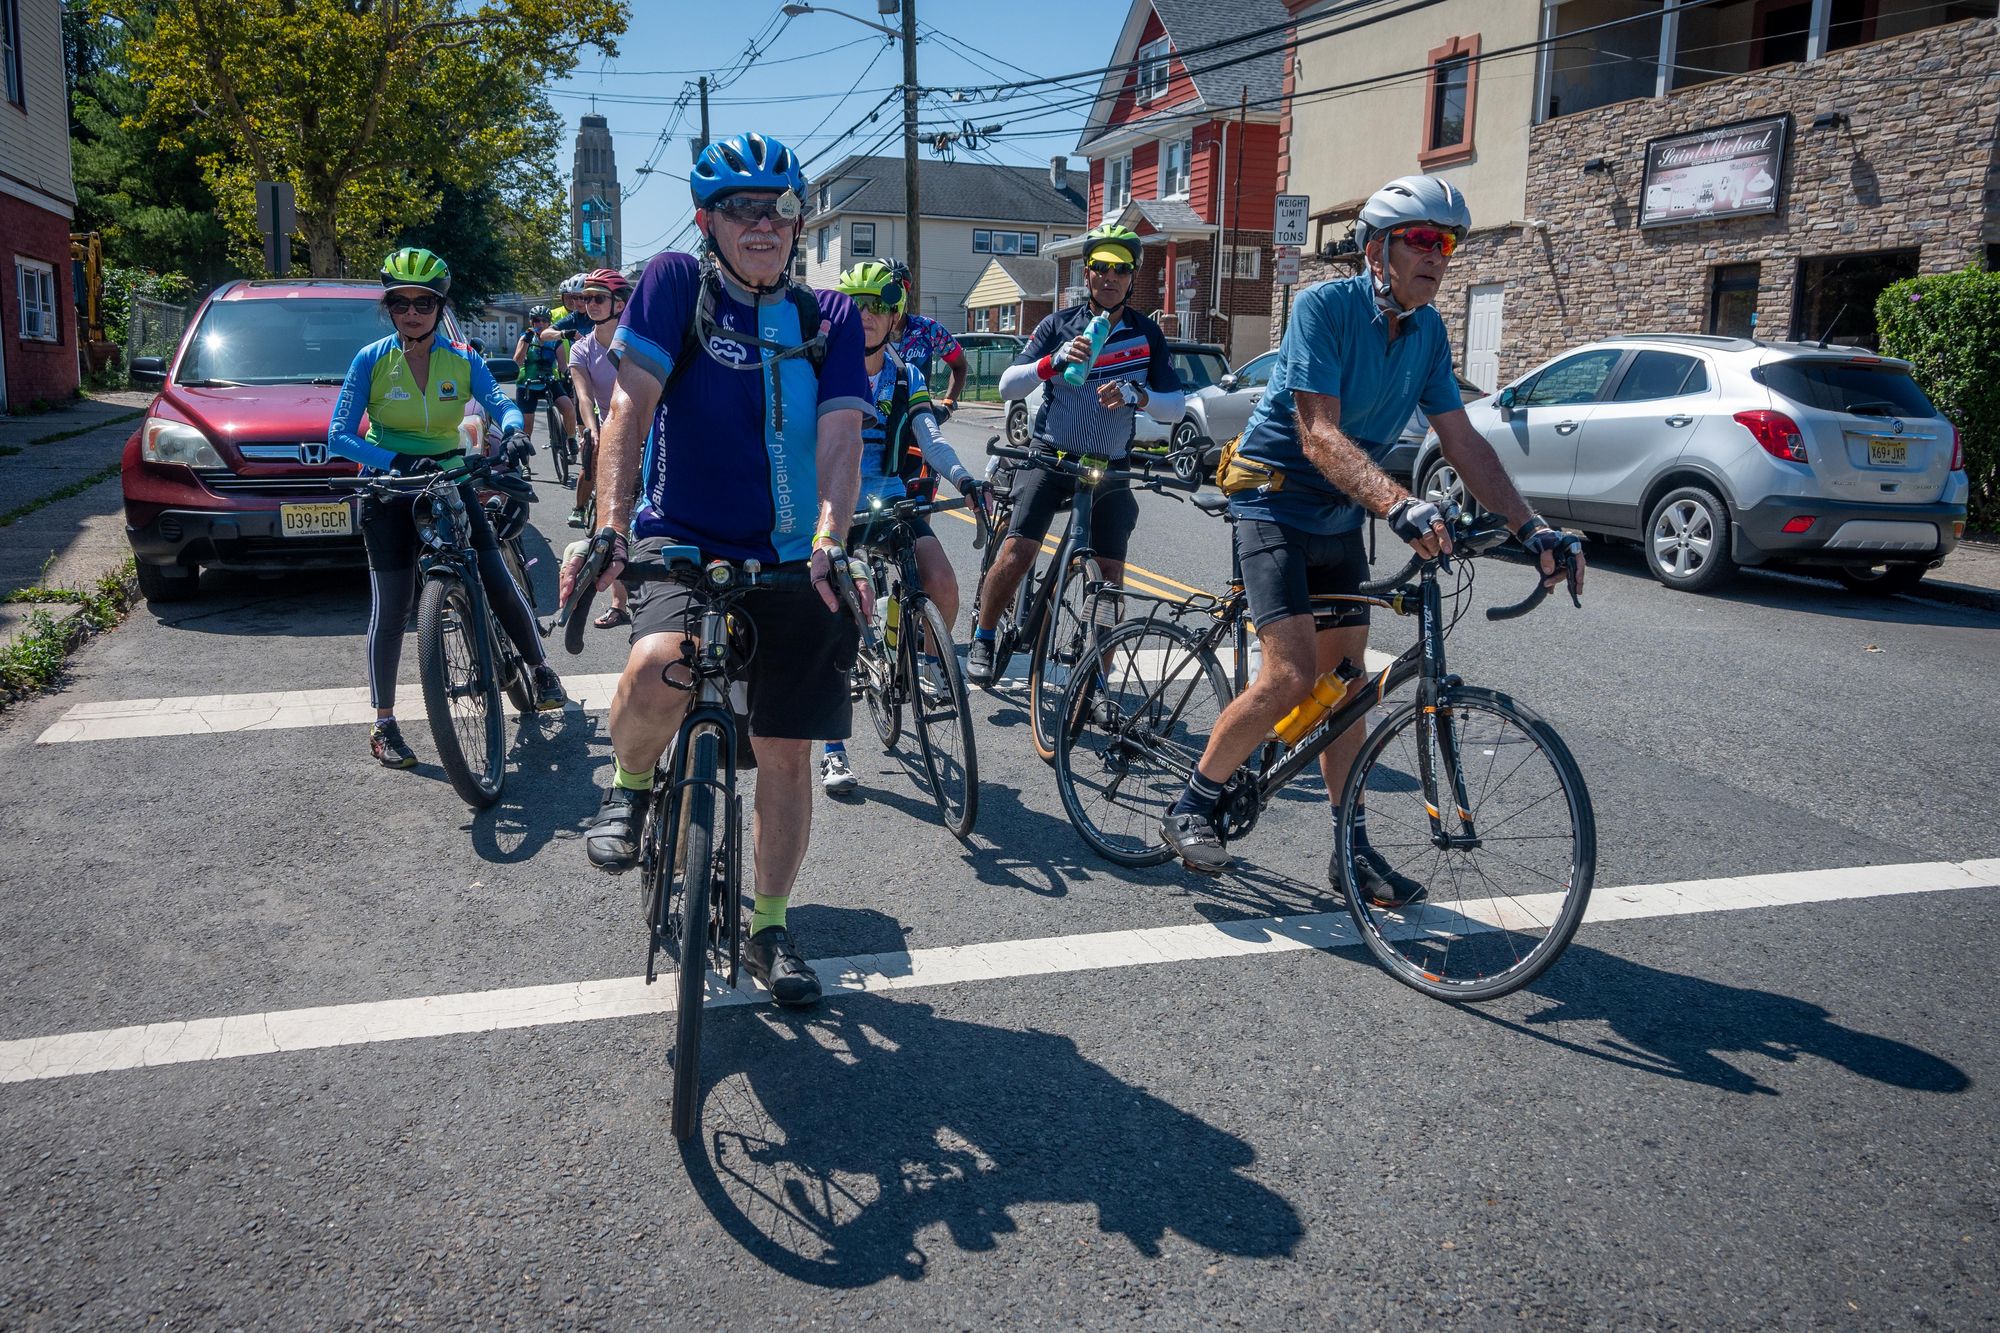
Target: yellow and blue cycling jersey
point(404, 419)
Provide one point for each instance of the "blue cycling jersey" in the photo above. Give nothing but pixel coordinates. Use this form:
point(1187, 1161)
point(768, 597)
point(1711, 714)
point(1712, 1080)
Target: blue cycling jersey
point(404, 419)
point(719, 472)
point(882, 460)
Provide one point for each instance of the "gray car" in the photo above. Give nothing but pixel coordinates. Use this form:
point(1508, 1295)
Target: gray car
point(1713, 453)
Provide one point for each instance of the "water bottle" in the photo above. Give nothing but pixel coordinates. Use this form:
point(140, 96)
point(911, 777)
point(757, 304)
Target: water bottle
point(1256, 656)
point(1076, 372)
point(1327, 692)
point(892, 617)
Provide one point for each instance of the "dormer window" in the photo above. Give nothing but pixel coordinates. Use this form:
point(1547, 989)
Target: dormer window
point(1153, 57)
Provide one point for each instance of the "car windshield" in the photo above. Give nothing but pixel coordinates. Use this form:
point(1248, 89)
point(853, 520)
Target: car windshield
point(1198, 370)
point(1847, 386)
point(284, 340)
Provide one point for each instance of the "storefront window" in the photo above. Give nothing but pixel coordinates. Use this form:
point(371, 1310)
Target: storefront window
point(1836, 295)
point(1732, 301)
point(1611, 64)
point(1739, 36)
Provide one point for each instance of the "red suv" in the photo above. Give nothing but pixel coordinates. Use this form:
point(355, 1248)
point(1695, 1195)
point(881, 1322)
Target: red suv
point(230, 468)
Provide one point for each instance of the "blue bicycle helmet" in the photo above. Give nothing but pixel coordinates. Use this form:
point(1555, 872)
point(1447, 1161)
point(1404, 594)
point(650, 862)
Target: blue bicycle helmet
point(747, 162)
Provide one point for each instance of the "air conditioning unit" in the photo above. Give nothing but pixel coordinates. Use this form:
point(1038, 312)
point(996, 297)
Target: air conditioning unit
point(1074, 295)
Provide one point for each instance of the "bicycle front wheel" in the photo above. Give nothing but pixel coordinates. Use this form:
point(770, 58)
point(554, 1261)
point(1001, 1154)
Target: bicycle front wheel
point(695, 813)
point(1132, 738)
point(461, 690)
point(1509, 864)
point(1082, 611)
point(514, 670)
point(943, 719)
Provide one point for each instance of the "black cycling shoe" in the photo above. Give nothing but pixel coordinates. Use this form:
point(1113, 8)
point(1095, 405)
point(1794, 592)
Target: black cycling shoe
point(1380, 883)
point(611, 839)
point(385, 742)
point(549, 696)
point(774, 960)
point(1194, 838)
point(979, 662)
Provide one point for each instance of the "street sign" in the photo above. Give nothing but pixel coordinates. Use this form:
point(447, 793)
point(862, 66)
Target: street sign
point(1292, 219)
point(277, 219)
point(1288, 265)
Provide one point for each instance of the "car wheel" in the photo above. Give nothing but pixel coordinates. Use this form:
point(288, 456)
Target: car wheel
point(167, 583)
point(1442, 486)
point(1883, 580)
point(1687, 540)
point(1185, 451)
point(1017, 425)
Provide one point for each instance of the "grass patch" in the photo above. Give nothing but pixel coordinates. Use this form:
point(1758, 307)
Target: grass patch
point(61, 493)
point(55, 437)
point(34, 658)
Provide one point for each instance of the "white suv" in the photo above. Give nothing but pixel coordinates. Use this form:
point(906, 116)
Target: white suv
point(1717, 452)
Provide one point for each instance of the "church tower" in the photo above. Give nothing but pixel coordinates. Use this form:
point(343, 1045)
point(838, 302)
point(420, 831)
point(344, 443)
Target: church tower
point(594, 197)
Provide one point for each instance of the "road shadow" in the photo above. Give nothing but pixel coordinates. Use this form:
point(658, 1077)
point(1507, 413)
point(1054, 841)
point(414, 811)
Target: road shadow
point(816, 1158)
point(312, 603)
point(547, 794)
point(1682, 1027)
point(1800, 589)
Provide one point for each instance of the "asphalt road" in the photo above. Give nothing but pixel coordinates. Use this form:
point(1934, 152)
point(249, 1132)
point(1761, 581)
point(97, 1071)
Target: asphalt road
point(1764, 1116)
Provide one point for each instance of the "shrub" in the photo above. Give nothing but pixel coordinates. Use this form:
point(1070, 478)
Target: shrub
point(1947, 325)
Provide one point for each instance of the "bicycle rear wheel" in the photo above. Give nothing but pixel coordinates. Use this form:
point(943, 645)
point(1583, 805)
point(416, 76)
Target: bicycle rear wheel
point(558, 443)
point(942, 719)
point(461, 689)
point(1082, 611)
point(1502, 905)
point(1130, 742)
point(695, 805)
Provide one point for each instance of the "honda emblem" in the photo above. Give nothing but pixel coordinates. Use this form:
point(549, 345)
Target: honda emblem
point(313, 453)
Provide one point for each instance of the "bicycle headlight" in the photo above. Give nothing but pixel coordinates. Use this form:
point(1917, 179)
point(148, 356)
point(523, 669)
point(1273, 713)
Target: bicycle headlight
point(164, 441)
point(718, 573)
point(1094, 474)
point(875, 503)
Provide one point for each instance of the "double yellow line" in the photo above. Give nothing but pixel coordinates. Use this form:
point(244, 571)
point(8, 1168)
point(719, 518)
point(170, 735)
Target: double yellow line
point(1137, 577)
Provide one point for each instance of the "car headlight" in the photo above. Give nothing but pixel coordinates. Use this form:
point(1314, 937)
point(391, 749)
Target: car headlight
point(164, 441)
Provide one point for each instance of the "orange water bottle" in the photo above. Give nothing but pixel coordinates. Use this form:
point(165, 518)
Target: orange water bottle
point(1326, 694)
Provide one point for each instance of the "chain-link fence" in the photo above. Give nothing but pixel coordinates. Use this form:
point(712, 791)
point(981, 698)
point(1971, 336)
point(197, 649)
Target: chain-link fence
point(982, 373)
point(153, 328)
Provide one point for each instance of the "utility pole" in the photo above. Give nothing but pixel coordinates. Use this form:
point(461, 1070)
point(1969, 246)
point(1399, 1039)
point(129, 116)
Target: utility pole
point(913, 255)
point(704, 109)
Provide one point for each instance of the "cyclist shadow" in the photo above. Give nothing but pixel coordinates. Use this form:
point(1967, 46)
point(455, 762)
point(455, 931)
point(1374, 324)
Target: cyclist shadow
point(1682, 1027)
point(543, 797)
point(815, 1157)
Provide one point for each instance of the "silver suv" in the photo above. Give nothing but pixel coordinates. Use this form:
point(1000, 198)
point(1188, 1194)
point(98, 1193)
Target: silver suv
point(1717, 452)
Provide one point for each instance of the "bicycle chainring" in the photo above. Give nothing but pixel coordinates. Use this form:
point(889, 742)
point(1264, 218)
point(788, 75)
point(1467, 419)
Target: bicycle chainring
point(1238, 811)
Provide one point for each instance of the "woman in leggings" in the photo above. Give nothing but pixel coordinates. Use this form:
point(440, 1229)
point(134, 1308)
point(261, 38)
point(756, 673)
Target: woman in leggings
point(413, 387)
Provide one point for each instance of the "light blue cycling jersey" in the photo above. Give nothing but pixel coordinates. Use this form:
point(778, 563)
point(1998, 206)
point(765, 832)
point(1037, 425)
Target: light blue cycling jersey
point(404, 420)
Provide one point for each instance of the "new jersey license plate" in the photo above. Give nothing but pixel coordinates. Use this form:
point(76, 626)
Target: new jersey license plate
point(317, 520)
point(1888, 453)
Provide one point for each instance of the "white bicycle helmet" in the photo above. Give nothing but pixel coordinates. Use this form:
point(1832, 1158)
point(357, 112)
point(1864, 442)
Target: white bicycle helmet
point(1408, 201)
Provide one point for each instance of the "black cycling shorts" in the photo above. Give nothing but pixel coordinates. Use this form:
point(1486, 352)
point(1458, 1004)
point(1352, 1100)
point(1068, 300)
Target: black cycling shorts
point(1039, 495)
point(1285, 568)
point(877, 530)
point(528, 397)
point(802, 658)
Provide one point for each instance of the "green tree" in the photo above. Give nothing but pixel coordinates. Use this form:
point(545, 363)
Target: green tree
point(1947, 326)
point(496, 237)
point(368, 107)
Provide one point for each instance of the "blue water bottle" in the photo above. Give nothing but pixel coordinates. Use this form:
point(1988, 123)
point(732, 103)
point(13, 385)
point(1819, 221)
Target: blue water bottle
point(1076, 372)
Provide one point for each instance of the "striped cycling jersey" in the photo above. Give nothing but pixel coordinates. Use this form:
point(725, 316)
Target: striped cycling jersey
point(885, 463)
point(1069, 416)
point(404, 419)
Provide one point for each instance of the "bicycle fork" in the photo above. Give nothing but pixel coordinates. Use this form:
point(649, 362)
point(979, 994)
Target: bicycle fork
point(1437, 735)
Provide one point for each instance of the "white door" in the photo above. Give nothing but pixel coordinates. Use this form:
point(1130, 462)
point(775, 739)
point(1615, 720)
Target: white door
point(1482, 335)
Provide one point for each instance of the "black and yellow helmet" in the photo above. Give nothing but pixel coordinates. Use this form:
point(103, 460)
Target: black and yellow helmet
point(413, 266)
point(1112, 236)
point(876, 281)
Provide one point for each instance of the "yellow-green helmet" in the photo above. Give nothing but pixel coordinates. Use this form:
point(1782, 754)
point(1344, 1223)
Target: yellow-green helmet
point(874, 280)
point(413, 266)
point(1112, 236)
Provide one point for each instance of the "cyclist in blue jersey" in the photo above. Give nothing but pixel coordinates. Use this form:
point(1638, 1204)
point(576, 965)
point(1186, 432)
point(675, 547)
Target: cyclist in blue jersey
point(748, 393)
point(902, 454)
point(413, 387)
point(1359, 355)
point(543, 354)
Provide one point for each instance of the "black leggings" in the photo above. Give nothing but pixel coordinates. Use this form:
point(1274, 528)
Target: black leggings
point(390, 532)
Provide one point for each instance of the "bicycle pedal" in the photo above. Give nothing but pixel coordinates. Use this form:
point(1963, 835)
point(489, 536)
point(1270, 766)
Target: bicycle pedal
point(1208, 871)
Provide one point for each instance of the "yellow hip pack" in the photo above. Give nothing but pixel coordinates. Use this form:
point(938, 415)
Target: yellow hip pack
point(1234, 473)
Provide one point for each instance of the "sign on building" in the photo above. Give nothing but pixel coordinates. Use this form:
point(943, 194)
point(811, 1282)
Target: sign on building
point(1288, 265)
point(1292, 220)
point(1730, 171)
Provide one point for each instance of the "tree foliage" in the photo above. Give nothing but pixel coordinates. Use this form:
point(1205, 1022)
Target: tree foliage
point(1947, 325)
point(372, 109)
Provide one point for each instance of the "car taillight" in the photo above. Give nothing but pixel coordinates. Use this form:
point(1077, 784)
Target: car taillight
point(1776, 432)
point(1957, 451)
point(1803, 523)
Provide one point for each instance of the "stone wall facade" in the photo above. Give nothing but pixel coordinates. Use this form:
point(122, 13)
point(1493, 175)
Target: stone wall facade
point(1913, 169)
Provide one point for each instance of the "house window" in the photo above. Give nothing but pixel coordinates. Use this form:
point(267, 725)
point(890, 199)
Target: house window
point(1031, 244)
point(987, 242)
point(1245, 261)
point(10, 52)
point(1062, 236)
point(982, 242)
point(35, 284)
point(1454, 75)
point(1610, 64)
point(1117, 184)
point(1732, 301)
point(819, 243)
point(862, 239)
point(982, 320)
point(1153, 58)
point(1009, 318)
point(1174, 160)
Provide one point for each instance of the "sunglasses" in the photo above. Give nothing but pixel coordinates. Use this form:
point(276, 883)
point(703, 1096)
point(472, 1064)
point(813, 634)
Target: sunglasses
point(1427, 239)
point(403, 305)
point(592, 298)
point(1106, 266)
point(749, 212)
point(870, 306)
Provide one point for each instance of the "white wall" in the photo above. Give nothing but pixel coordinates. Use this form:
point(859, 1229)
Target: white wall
point(34, 147)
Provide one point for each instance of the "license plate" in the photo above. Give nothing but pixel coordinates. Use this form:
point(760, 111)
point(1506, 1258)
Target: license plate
point(320, 520)
point(1888, 453)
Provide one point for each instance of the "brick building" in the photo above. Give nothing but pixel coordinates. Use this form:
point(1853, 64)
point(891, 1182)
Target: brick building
point(1742, 167)
point(38, 337)
point(1189, 161)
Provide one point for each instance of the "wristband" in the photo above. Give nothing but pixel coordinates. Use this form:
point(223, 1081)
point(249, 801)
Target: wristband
point(1046, 367)
point(1534, 523)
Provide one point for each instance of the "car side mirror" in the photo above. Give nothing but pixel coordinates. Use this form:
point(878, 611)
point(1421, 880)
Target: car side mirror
point(149, 370)
point(1227, 382)
point(1506, 402)
point(504, 370)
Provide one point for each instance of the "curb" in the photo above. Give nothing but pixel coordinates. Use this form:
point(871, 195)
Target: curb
point(72, 630)
point(1958, 594)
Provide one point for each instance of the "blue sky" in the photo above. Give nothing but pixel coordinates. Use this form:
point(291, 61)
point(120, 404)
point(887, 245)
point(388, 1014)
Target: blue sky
point(795, 88)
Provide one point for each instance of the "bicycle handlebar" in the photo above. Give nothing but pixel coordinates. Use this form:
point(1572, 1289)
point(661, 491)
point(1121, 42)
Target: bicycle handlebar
point(1047, 461)
point(1471, 537)
point(475, 467)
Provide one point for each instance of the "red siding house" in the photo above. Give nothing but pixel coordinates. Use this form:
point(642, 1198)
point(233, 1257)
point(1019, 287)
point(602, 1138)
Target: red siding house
point(37, 202)
point(1185, 152)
